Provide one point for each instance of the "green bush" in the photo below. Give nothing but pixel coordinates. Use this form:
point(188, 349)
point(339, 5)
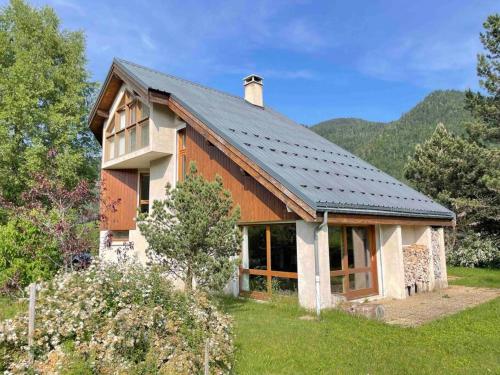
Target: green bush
point(475, 250)
point(118, 319)
point(26, 255)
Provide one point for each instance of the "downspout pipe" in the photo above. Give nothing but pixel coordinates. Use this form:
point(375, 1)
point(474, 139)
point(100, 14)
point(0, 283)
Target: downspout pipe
point(316, 262)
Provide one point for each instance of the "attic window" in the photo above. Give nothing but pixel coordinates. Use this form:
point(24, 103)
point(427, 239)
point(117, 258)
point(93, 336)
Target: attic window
point(128, 128)
point(122, 119)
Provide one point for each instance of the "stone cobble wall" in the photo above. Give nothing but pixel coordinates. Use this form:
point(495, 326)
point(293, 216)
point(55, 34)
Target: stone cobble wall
point(436, 257)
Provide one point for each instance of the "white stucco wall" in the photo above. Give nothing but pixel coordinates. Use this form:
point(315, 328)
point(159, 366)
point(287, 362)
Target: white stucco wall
point(306, 269)
point(391, 268)
point(161, 172)
point(163, 129)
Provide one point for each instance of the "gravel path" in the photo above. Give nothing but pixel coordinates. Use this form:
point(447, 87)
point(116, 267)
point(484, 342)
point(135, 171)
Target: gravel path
point(424, 307)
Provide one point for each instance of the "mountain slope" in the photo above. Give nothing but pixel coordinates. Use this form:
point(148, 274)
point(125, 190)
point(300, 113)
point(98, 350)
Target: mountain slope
point(388, 145)
point(349, 133)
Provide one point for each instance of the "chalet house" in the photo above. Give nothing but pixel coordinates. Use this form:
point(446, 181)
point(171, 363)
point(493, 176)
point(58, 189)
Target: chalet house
point(317, 221)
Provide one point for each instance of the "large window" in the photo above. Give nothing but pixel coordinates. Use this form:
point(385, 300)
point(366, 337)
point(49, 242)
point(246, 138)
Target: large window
point(352, 260)
point(128, 128)
point(270, 260)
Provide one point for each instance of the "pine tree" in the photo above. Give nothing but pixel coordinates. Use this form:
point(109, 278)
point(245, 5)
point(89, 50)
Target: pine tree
point(486, 107)
point(194, 232)
point(452, 170)
point(463, 172)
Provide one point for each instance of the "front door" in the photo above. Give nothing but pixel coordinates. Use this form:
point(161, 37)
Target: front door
point(353, 265)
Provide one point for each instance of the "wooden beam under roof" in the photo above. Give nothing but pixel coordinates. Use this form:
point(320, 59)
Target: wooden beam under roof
point(352, 219)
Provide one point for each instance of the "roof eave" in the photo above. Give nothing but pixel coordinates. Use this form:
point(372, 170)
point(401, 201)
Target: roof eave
point(116, 70)
point(389, 212)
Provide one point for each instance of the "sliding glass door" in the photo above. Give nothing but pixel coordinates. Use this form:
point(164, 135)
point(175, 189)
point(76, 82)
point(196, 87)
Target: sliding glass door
point(353, 268)
point(269, 263)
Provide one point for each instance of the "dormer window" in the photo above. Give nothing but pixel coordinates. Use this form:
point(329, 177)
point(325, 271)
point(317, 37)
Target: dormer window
point(128, 128)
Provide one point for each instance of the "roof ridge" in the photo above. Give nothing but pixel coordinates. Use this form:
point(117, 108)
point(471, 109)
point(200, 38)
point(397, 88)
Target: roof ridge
point(179, 79)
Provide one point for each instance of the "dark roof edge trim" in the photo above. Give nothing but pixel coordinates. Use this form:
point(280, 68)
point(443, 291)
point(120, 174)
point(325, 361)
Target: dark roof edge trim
point(387, 212)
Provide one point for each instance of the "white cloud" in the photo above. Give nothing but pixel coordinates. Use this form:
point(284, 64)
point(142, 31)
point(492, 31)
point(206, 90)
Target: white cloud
point(427, 61)
point(301, 35)
point(289, 74)
point(147, 42)
point(70, 5)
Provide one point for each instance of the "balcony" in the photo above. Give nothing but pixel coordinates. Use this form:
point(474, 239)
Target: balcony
point(132, 147)
point(134, 135)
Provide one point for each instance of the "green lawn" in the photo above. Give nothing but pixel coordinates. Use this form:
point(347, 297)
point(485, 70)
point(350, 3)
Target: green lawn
point(480, 277)
point(271, 339)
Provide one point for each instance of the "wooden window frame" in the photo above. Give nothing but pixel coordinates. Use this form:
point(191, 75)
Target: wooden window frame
point(181, 154)
point(268, 272)
point(143, 201)
point(127, 104)
point(120, 238)
point(346, 271)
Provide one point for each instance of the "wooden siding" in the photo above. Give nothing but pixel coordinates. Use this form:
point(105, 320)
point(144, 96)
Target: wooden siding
point(120, 184)
point(265, 179)
point(256, 202)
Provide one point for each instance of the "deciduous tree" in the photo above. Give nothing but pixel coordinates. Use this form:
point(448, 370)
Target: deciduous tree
point(44, 100)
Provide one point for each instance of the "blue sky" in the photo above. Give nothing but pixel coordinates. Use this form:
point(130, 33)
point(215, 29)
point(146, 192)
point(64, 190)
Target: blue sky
point(320, 60)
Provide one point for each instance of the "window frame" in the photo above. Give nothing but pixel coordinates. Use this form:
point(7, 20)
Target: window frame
point(128, 104)
point(182, 154)
point(140, 200)
point(346, 271)
point(269, 273)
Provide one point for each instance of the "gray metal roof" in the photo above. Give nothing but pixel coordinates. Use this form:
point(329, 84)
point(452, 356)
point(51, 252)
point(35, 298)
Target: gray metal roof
point(324, 175)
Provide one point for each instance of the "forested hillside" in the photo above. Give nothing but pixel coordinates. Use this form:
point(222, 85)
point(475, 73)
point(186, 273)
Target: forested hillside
point(387, 145)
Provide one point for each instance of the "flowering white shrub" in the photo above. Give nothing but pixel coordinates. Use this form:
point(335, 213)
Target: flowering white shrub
point(475, 250)
point(114, 319)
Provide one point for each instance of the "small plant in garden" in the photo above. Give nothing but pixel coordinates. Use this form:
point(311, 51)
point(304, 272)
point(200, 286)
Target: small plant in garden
point(194, 233)
point(118, 319)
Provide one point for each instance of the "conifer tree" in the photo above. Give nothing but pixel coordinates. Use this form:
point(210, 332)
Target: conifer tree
point(194, 233)
point(463, 173)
